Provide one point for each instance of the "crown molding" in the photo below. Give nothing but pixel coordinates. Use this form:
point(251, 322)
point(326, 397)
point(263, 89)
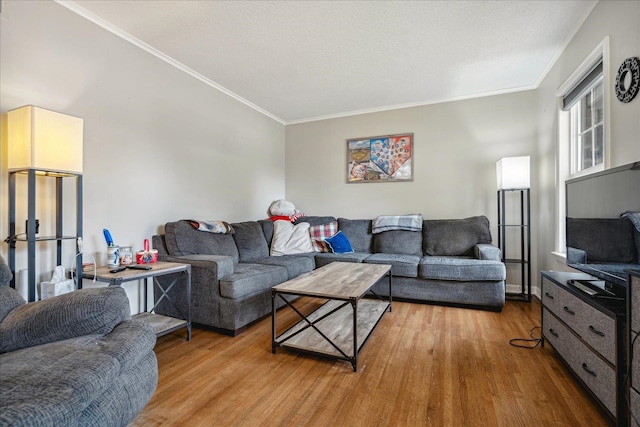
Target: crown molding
point(74, 7)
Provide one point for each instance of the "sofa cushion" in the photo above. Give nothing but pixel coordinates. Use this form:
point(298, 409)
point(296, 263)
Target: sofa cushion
point(315, 220)
point(323, 259)
point(267, 230)
point(9, 299)
point(460, 269)
point(604, 240)
point(295, 264)
point(54, 383)
point(358, 231)
point(453, 237)
point(321, 232)
point(401, 265)
point(250, 241)
point(250, 278)
point(398, 242)
point(183, 239)
point(339, 244)
point(290, 239)
point(59, 318)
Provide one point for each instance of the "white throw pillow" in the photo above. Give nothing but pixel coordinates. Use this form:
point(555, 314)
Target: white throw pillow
point(290, 239)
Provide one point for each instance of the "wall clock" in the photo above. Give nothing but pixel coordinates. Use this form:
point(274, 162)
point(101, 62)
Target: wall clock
point(628, 80)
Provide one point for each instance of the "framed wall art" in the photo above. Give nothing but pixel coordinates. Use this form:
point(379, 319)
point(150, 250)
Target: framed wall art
point(386, 158)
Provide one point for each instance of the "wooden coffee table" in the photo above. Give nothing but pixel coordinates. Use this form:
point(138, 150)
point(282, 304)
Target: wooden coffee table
point(333, 330)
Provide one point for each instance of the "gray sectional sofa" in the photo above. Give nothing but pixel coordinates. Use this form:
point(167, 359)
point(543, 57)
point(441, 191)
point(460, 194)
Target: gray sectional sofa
point(73, 360)
point(449, 262)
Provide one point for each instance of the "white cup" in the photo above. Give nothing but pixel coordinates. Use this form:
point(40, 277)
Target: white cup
point(113, 256)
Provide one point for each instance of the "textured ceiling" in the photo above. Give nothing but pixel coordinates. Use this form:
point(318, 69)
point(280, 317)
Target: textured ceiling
point(303, 60)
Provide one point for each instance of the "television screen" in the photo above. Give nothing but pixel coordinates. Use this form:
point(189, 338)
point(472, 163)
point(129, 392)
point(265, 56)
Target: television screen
point(599, 210)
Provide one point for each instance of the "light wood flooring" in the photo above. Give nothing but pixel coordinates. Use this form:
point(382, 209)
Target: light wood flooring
point(424, 365)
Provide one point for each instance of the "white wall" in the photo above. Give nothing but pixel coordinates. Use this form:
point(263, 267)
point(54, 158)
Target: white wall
point(456, 146)
point(159, 145)
point(619, 21)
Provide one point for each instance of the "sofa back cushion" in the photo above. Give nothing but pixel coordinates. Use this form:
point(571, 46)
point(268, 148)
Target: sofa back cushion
point(183, 239)
point(604, 240)
point(454, 237)
point(315, 220)
point(358, 231)
point(398, 242)
point(250, 241)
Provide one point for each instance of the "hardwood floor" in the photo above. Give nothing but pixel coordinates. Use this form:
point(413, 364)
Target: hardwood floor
point(423, 365)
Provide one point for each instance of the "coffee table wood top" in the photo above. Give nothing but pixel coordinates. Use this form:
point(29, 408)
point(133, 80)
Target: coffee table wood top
point(338, 280)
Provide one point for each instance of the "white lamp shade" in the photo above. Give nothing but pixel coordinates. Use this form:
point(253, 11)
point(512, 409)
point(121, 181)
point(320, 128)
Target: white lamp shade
point(513, 173)
point(44, 140)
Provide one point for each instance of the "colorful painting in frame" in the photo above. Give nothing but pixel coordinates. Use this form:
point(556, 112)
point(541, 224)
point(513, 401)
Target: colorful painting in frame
point(386, 158)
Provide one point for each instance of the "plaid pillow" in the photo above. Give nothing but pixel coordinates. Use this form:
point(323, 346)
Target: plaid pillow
point(320, 232)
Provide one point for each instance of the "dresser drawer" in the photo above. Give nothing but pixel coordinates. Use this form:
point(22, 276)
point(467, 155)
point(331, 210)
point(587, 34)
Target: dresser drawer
point(635, 363)
point(635, 302)
point(634, 400)
point(597, 375)
point(596, 328)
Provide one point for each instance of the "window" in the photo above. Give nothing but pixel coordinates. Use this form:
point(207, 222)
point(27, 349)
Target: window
point(583, 123)
point(585, 103)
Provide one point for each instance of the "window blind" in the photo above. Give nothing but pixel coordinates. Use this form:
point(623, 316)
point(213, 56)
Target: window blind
point(583, 86)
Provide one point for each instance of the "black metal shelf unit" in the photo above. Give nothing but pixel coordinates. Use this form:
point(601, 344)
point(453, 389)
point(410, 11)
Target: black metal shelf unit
point(31, 238)
point(525, 240)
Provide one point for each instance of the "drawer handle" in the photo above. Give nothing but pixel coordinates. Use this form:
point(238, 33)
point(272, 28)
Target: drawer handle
point(568, 310)
point(548, 295)
point(595, 331)
point(588, 371)
point(552, 332)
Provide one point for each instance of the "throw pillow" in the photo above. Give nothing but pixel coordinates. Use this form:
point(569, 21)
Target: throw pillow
point(290, 239)
point(339, 243)
point(319, 233)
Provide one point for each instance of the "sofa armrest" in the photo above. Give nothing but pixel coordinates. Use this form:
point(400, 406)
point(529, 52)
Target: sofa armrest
point(78, 313)
point(487, 251)
point(218, 266)
point(576, 256)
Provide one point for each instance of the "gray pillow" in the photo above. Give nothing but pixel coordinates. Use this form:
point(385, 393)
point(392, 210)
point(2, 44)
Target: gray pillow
point(398, 242)
point(455, 237)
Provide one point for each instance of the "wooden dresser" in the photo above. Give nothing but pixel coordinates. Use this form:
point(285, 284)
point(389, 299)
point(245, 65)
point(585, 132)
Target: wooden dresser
point(633, 300)
point(589, 335)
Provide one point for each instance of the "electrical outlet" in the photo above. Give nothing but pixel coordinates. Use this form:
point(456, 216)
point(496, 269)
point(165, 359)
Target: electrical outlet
point(26, 226)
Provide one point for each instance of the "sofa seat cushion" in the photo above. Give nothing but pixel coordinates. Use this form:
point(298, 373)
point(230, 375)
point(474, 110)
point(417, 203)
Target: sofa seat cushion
point(323, 259)
point(249, 278)
point(358, 231)
point(460, 269)
point(401, 265)
point(250, 241)
point(295, 264)
point(183, 239)
point(398, 242)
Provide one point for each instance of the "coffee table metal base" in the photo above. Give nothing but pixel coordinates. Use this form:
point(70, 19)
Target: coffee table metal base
point(328, 331)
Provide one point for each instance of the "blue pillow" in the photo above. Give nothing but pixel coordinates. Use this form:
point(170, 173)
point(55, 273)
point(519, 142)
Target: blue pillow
point(339, 243)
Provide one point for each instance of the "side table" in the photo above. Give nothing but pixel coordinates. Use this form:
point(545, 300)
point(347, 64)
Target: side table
point(161, 324)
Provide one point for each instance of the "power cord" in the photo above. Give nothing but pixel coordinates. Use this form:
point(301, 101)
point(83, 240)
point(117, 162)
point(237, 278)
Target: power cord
point(12, 239)
point(80, 254)
point(529, 343)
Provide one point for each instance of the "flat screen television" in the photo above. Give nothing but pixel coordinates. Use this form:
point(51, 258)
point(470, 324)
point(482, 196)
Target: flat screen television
point(605, 196)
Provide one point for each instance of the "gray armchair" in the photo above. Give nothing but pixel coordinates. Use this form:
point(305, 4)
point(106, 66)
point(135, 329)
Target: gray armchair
point(75, 359)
